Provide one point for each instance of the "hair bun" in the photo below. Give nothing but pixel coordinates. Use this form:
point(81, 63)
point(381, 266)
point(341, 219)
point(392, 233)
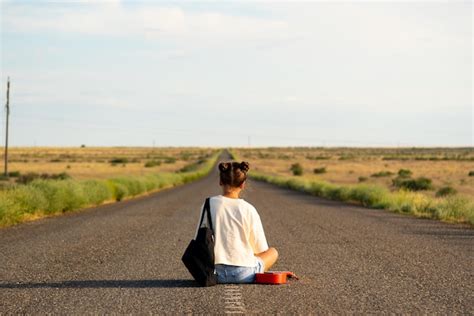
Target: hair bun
point(224, 166)
point(244, 166)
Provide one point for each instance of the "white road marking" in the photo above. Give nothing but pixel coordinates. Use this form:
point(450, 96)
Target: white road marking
point(233, 303)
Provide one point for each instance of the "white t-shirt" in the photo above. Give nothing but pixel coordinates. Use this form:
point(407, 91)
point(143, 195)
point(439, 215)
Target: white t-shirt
point(238, 231)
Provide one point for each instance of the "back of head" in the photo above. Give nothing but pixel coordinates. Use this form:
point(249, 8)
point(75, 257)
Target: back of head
point(233, 173)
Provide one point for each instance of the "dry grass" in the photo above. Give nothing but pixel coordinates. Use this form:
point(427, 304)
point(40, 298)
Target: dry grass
point(341, 180)
point(277, 161)
point(93, 163)
point(44, 197)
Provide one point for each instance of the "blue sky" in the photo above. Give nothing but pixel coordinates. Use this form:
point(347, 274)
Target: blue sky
point(214, 73)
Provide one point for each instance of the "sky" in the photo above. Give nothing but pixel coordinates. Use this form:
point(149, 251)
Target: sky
point(155, 73)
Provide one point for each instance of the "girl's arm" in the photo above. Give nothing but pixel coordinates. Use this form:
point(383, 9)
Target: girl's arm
point(257, 235)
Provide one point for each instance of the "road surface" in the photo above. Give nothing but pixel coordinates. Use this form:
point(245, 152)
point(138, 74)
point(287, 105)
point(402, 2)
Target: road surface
point(126, 258)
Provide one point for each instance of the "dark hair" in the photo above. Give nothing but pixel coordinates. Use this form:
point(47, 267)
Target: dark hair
point(233, 173)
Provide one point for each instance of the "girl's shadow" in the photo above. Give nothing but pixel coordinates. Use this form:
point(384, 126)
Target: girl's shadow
point(102, 284)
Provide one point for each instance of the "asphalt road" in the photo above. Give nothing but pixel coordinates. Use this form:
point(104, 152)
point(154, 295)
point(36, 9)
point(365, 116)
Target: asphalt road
point(126, 258)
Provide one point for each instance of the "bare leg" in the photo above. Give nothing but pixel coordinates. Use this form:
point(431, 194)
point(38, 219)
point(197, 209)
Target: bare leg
point(269, 257)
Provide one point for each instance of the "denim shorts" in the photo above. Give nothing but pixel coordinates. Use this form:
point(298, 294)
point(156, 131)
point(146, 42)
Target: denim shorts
point(238, 274)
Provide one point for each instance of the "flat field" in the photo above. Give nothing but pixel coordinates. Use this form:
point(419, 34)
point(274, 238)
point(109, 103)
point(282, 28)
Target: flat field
point(444, 166)
point(102, 162)
point(50, 181)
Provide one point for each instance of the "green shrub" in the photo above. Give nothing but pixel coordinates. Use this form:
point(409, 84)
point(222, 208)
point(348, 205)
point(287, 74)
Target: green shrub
point(14, 174)
point(119, 191)
point(190, 167)
point(338, 193)
point(297, 169)
point(170, 179)
point(28, 199)
point(27, 177)
point(411, 202)
point(452, 208)
point(9, 212)
point(347, 157)
point(404, 173)
point(133, 185)
point(369, 195)
point(96, 191)
point(318, 157)
point(62, 196)
point(397, 182)
point(49, 190)
point(319, 170)
point(382, 174)
point(455, 208)
point(118, 160)
point(52, 193)
point(318, 188)
point(471, 173)
point(72, 195)
point(57, 176)
point(445, 191)
point(363, 179)
point(170, 160)
point(31, 176)
point(417, 184)
point(297, 184)
point(150, 182)
point(152, 163)
point(186, 156)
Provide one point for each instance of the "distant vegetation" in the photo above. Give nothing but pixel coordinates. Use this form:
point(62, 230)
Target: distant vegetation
point(363, 179)
point(367, 176)
point(382, 174)
point(345, 153)
point(152, 163)
point(319, 170)
point(452, 208)
point(417, 184)
point(318, 157)
point(35, 195)
point(31, 176)
point(446, 191)
point(430, 158)
point(116, 161)
point(297, 169)
point(347, 157)
point(192, 167)
point(404, 173)
point(14, 174)
point(170, 160)
point(100, 162)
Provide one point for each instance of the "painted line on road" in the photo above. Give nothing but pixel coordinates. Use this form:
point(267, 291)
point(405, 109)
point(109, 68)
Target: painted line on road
point(233, 302)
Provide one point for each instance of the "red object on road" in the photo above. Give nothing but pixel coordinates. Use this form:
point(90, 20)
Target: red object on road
point(274, 277)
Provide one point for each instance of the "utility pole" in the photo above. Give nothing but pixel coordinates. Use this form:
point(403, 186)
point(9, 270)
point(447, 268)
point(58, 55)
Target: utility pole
point(7, 109)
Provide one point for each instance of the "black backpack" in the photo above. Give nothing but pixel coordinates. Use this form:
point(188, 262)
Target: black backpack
point(199, 255)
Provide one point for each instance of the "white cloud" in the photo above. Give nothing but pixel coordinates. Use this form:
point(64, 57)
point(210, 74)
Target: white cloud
point(112, 19)
point(266, 59)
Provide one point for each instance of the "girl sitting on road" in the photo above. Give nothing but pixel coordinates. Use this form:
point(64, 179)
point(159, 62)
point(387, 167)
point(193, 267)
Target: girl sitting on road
point(241, 249)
